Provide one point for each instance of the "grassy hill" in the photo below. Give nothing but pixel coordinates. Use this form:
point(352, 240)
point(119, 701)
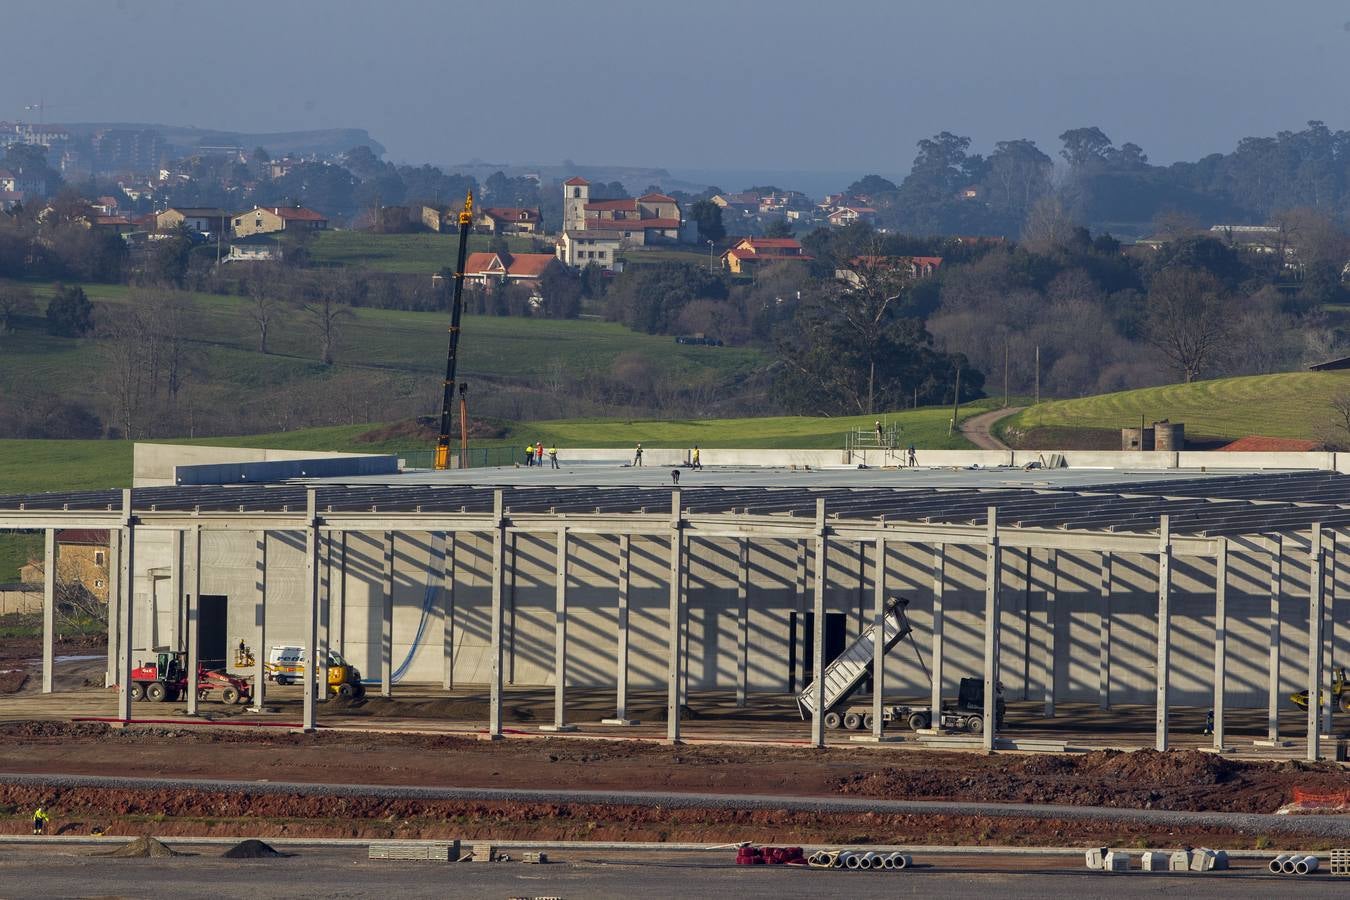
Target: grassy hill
point(1288, 404)
point(390, 340)
point(422, 253)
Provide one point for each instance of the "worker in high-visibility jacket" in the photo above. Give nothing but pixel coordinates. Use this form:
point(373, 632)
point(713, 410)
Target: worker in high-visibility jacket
point(40, 820)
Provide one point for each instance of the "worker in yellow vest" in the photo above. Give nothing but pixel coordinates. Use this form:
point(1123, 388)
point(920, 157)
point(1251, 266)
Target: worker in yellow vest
point(529, 454)
point(40, 820)
point(553, 456)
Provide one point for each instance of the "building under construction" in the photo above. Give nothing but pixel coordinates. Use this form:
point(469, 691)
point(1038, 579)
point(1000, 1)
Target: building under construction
point(1157, 581)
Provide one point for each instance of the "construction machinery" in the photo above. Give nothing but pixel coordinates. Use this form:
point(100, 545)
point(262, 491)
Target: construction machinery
point(846, 673)
point(286, 665)
point(165, 680)
point(1339, 690)
point(442, 459)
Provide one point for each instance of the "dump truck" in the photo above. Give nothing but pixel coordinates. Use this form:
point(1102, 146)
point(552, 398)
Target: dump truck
point(846, 673)
point(165, 680)
point(286, 665)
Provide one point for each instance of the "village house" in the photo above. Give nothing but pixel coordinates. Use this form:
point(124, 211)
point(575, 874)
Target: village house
point(581, 248)
point(269, 219)
point(256, 248)
point(851, 215)
point(752, 253)
point(508, 220)
point(651, 218)
point(81, 559)
point(201, 219)
point(116, 224)
point(916, 267)
point(490, 269)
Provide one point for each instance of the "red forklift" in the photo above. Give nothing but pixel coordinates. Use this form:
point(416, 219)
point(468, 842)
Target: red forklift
point(165, 681)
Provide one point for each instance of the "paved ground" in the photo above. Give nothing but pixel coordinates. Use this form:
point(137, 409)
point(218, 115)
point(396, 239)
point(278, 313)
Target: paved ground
point(979, 429)
point(347, 873)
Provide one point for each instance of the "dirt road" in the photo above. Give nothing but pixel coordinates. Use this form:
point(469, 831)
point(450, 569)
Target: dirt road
point(978, 429)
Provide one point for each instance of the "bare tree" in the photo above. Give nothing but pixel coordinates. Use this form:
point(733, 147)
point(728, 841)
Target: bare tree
point(128, 346)
point(1187, 319)
point(328, 309)
point(263, 307)
point(174, 322)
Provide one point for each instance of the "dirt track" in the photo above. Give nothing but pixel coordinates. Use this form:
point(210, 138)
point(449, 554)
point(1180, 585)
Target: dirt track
point(1181, 780)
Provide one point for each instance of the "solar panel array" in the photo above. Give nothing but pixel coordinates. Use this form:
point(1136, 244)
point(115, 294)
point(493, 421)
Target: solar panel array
point(1207, 506)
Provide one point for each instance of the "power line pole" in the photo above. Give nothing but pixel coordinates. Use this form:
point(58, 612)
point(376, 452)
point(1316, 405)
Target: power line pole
point(1005, 371)
point(1038, 373)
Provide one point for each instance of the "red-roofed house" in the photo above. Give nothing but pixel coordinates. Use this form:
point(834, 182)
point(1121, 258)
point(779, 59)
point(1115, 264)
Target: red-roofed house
point(507, 220)
point(651, 218)
point(750, 253)
point(492, 268)
point(115, 224)
point(848, 215)
point(81, 558)
point(1256, 443)
point(267, 219)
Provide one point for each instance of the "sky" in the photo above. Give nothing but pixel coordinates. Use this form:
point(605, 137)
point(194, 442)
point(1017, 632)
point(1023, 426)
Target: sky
point(717, 85)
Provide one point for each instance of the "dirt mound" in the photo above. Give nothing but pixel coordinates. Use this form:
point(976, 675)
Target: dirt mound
point(253, 849)
point(143, 848)
point(1171, 768)
point(13, 680)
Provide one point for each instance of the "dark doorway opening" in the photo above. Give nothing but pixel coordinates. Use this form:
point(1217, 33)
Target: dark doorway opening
point(836, 639)
point(212, 639)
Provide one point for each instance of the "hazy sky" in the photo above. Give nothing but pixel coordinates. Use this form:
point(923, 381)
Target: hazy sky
point(833, 85)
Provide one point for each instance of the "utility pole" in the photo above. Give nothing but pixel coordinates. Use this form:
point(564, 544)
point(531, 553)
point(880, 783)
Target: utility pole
point(956, 403)
point(1005, 371)
point(710, 257)
point(1038, 373)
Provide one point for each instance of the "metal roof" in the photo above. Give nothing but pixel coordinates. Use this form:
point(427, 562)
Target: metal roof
point(1210, 505)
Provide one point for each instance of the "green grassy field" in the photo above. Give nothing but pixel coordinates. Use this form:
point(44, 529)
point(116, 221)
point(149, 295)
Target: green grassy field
point(15, 551)
point(1288, 404)
point(390, 340)
point(405, 253)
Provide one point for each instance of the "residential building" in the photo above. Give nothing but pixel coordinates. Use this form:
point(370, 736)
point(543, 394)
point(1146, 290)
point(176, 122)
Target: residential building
point(752, 253)
point(201, 219)
point(115, 224)
point(581, 248)
point(850, 215)
point(651, 218)
point(508, 220)
point(23, 182)
point(916, 267)
point(129, 150)
point(490, 269)
point(268, 219)
point(256, 248)
point(81, 558)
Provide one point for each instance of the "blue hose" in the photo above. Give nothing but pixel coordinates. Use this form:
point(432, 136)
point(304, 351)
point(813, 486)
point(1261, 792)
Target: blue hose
point(428, 601)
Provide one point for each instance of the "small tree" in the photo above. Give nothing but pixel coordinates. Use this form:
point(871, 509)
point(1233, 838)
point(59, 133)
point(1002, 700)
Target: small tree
point(15, 300)
point(69, 312)
point(1187, 319)
point(328, 309)
point(708, 216)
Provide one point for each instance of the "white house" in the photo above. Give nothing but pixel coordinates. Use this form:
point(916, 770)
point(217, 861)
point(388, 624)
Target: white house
point(580, 248)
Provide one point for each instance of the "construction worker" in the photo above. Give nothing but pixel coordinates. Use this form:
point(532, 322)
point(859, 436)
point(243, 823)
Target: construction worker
point(529, 454)
point(637, 455)
point(694, 462)
point(553, 456)
point(675, 476)
point(539, 453)
point(913, 457)
point(879, 433)
point(40, 820)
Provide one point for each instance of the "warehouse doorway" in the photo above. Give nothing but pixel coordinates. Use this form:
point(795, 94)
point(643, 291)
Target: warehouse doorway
point(212, 637)
point(803, 657)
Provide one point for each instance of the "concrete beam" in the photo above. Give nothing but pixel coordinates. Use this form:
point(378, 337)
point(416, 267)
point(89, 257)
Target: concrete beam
point(1316, 609)
point(387, 619)
point(126, 608)
point(939, 629)
point(49, 563)
point(1163, 661)
point(310, 682)
point(675, 620)
point(495, 650)
point(194, 612)
point(1104, 635)
point(1273, 641)
point(1220, 641)
point(992, 579)
point(818, 639)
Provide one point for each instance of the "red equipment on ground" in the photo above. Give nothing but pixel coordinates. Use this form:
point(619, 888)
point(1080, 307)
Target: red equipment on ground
point(165, 680)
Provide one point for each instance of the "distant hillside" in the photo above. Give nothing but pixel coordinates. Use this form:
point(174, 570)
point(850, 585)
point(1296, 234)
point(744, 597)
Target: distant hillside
point(184, 139)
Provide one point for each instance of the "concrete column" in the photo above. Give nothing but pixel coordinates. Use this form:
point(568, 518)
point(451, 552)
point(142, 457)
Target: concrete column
point(675, 620)
point(560, 639)
point(114, 603)
point(1316, 609)
point(325, 601)
point(939, 627)
point(1273, 641)
point(1333, 565)
point(991, 603)
point(448, 614)
point(177, 593)
point(798, 634)
point(1164, 634)
point(311, 679)
point(1049, 628)
point(387, 619)
point(342, 595)
point(878, 634)
point(818, 639)
point(621, 646)
point(127, 589)
point(498, 581)
point(48, 608)
point(260, 651)
point(743, 626)
point(1104, 636)
point(194, 607)
point(1220, 638)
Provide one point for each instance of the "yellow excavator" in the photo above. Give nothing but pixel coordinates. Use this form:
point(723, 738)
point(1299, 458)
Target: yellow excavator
point(1339, 690)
